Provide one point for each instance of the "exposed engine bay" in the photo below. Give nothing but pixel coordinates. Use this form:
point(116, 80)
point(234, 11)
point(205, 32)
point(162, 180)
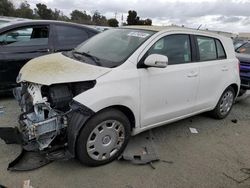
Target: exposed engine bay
point(45, 113)
point(48, 125)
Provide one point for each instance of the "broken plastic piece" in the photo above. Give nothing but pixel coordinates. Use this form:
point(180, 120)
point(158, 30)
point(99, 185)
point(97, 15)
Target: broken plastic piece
point(28, 160)
point(234, 120)
point(193, 130)
point(10, 135)
point(26, 184)
point(140, 150)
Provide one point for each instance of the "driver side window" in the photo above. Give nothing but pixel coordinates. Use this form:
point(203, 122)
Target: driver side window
point(175, 47)
point(26, 36)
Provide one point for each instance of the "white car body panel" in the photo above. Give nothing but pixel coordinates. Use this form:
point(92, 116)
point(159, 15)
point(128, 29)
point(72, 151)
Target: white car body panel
point(156, 96)
point(119, 87)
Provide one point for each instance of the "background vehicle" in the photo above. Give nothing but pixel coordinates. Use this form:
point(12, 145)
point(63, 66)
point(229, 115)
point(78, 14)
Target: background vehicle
point(24, 40)
point(4, 20)
point(243, 54)
point(122, 82)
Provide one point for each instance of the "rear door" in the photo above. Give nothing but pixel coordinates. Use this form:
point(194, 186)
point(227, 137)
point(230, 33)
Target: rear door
point(214, 71)
point(68, 37)
point(18, 46)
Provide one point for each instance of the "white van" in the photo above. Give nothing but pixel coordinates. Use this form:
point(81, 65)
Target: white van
point(122, 82)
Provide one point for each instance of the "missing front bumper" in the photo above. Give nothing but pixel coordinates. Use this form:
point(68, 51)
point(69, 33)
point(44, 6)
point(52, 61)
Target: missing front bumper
point(30, 160)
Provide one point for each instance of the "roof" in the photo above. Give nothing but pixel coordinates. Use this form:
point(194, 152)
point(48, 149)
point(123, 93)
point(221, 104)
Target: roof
point(34, 22)
point(172, 28)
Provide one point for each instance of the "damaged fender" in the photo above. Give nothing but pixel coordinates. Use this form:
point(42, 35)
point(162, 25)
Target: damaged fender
point(79, 116)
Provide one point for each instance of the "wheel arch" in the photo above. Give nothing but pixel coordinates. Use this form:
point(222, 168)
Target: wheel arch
point(236, 88)
point(126, 111)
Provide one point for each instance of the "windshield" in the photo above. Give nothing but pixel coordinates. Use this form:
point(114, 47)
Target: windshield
point(244, 49)
point(112, 47)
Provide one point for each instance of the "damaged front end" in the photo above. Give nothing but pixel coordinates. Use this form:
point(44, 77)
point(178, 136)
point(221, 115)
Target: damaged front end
point(39, 123)
point(45, 120)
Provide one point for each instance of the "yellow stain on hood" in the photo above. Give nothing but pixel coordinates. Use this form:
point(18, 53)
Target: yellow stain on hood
point(57, 68)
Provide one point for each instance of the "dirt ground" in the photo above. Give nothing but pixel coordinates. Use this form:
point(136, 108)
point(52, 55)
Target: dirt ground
point(214, 157)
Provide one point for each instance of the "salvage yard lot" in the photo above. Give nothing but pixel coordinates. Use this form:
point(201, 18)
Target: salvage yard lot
point(211, 158)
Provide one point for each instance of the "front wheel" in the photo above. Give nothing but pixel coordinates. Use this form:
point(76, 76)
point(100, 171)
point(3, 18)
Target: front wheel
point(103, 138)
point(225, 104)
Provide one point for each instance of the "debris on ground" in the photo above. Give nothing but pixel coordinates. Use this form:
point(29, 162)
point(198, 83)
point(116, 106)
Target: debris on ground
point(26, 184)
point(141, 150)
point(169, 162)
point(193, 130)
point(234, 120)
point(243, 170)
point(1, 186)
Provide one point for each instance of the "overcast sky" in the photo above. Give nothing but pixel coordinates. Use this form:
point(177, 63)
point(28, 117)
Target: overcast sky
point(226, 15)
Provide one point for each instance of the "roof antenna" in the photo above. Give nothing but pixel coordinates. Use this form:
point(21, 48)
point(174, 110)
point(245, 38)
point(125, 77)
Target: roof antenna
point(199, 27)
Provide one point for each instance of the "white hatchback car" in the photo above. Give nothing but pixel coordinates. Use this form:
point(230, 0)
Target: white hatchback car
point(121, 82)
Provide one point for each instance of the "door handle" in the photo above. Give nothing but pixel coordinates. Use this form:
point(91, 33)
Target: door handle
point(192, 74)
point(44, 50)
point(224, 68)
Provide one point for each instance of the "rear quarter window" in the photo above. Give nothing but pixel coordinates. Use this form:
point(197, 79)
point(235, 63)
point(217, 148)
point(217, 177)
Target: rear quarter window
point(220, 50)
point(206, 48)
point(67, 35)
point(210, 48)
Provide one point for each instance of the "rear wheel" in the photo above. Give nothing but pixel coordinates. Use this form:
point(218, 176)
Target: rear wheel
point(225, 104)
point(103, 138)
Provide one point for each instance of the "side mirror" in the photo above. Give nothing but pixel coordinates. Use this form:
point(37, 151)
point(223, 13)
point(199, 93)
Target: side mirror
point(156, 60)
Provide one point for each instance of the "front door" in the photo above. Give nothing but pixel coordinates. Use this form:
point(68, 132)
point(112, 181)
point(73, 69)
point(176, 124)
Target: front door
point(17, 47)
point(168, 93)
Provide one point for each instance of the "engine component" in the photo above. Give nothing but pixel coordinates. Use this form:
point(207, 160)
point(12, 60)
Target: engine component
point(40, 124)
point(60, 96)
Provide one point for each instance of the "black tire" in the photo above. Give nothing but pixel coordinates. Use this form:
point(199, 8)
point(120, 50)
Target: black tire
point(242, 92)
point(216, 113)
point(91, 125)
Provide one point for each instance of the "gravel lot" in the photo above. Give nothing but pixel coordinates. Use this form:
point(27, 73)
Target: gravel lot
point(211, 158)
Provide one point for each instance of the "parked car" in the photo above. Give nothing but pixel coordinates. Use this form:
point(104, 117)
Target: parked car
point(22, 41)
point(243, 54)
point(5, 19)
point(122, 82)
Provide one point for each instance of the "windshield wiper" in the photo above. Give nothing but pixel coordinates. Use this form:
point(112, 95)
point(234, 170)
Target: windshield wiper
point(95, 59)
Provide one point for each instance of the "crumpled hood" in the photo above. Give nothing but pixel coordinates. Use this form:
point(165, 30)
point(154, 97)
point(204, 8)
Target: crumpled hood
point(57, 68)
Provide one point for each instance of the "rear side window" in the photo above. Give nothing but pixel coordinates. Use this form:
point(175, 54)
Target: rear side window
point(175, 47)
point(26, 36)
point(207, 48)
point(67, 35)
point(210, 48)
point(220, 50)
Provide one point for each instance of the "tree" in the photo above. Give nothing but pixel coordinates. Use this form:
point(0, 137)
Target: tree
point(145, 22)
point(6, 8)
point(132, 18)
point(24, 11)
point(98, 19)
point(58, 15)
point(148, 22)
point(113, 22)
point(80, 17)
point(43, 12)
